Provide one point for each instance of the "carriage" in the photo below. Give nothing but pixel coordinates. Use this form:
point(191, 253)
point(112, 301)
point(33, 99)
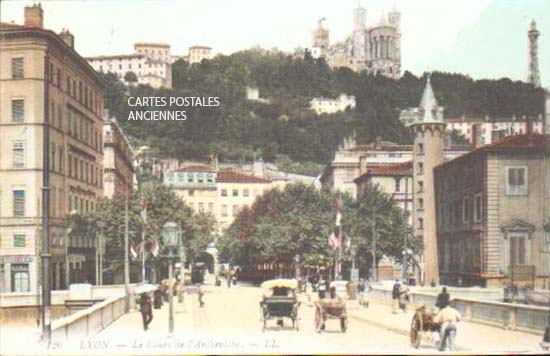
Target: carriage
point(423, 324)
point(330, 309)
point(281, 304)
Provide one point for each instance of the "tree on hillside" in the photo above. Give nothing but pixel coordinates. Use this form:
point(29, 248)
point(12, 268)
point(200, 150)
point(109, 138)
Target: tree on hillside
point(130, 77)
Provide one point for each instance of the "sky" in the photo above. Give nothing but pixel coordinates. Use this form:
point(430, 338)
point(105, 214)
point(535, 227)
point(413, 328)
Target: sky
point(480, 38)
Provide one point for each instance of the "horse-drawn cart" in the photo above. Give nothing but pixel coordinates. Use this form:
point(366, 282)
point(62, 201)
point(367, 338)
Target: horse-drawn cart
point(330, 309)
point(281, 304)
point(423, 325)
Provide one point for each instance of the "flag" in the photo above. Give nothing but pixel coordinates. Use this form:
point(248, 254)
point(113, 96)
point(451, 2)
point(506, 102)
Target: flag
point(338, 218)
point(133, 252)
point(332, 241)
point(155, 248)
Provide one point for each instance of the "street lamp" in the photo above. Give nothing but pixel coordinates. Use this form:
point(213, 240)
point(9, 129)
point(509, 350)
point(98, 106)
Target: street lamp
point(171, 236)
point(182, 272)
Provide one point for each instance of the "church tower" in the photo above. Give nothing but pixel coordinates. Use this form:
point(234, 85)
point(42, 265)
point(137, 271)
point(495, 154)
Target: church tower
point(321, 38)
point(359, 37)
point(428, 127)
point(534, 74)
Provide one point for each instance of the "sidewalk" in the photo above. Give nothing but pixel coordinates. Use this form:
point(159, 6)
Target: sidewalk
point(471, 337)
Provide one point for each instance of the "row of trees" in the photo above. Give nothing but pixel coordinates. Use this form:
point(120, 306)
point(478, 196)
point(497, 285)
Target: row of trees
point(239, 129)
point(298, 220)
point(162, 206)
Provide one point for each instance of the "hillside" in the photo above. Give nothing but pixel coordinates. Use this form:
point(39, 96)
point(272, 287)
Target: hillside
point(239, 128)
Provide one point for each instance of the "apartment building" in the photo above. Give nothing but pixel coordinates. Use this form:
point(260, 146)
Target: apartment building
point(118, 177)
point(52, 99)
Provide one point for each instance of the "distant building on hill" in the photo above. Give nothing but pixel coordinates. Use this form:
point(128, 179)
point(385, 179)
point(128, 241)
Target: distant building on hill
point(331, 106)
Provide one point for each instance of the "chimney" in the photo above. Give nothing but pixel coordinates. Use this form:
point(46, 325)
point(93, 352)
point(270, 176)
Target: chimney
point(362, 165)
point(34, 16)
point(67, 37)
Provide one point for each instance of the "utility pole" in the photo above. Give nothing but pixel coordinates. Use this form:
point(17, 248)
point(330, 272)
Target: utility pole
point(126, 259)
point(373, 226)
point(46, 256)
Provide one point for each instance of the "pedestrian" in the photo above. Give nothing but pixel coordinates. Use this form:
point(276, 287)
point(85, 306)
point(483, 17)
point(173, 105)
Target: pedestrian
point(442, 299)
point(322, 289)
point(157, 298)
point(395, 296)
point(403, 297)
point(228, 280)
point(146, 310)
point(201, 294)
point(448, 317)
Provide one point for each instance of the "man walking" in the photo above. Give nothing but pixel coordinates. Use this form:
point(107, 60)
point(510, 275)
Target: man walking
point(448, 317)
point(395, 296)
point(442, 299)
point(146, 310)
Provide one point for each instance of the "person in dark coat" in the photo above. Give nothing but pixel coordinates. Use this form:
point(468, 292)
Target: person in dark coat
point(395, 296)
point(157, 298)
point(146, 310)
point(443, 299)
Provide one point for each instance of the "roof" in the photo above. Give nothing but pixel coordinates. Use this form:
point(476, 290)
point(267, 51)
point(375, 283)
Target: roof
point(200, 47)
point(195, 168)
point(529, 143)
point(390, 170)
point(13, 30)
point(151, 44)
point(488, 119)
point(115, 56)
point(381, 146)
point(234, 177)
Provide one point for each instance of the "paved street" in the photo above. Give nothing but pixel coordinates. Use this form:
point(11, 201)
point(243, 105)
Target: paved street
point(230, 323)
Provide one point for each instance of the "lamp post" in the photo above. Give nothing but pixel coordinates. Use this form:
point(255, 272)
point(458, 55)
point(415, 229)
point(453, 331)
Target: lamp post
point(297, 268)
point(100, 252)
point(182, 272)
point(171, 236)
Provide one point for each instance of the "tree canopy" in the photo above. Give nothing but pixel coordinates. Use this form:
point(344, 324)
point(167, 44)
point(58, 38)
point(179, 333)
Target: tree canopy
point(240, 128)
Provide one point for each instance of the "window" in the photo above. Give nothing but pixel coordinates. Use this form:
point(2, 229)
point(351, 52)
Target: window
point(517, 250)
point(546, 242)
point(478, 207)
point(224, 210)
point(191, 193)
point(17, 68)
point(190, 178)
point(18, 154)
point(516, 180)
point(20, 278)
point(420, 187)
point(397, 185)
point(235, 210)
point(235, 192)
point(209, 178)
point(224, 192)
point(18, 203)
point(420, 204)
point(19, 241)
point(18, 110)
point(420, 148)
point(200, 178)
point(211, 207)
point(201, 207)
point(246, 192)
point(420, 223)
point(420, 168)
point(466, 209)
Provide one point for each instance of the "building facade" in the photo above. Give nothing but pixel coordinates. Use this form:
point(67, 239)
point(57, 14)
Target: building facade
point(118, 168)
point(331, 106)
point(220, 193)
point(150, 62)
point(493, 219)
point(376, 49)
point(47, 87)
point(198, 53)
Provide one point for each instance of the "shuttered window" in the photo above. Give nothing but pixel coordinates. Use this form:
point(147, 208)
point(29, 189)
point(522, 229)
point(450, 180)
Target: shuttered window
point(18, 154)
point(17, 68)
point(18, 203)
point(18, 110)
point(19, 241)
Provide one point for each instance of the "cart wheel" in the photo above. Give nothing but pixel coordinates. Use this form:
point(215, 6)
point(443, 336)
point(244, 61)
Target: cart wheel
point(416, 330)
point(344, 324)
point(318, 320)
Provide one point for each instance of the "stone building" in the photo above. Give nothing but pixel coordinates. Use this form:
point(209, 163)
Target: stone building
point(428, 129)
point(47, 87)
point(220, 193)
point(493, 214)
point(198, 53)
point(118, 177)
point(331, 106)
point(150, 62)
point(376, 49)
